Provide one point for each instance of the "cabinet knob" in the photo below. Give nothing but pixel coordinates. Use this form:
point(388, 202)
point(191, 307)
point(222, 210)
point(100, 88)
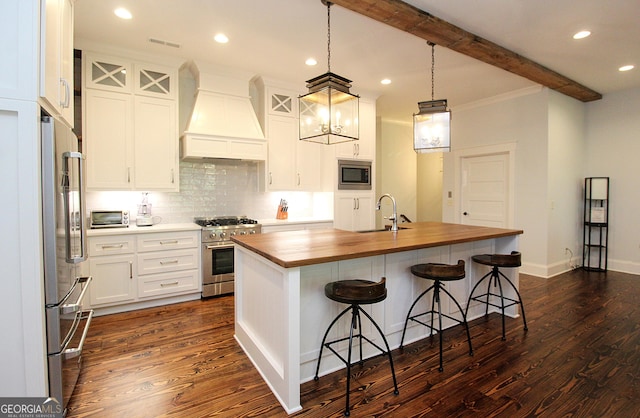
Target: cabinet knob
point(465, 213)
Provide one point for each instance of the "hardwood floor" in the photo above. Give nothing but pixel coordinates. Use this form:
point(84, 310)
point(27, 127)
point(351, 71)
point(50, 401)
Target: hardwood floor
point(580, 357)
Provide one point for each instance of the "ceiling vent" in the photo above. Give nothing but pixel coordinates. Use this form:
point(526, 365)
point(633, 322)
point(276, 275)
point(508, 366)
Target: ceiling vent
point(165, 43)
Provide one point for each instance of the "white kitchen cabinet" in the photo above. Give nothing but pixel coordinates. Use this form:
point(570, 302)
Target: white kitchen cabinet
point(155, 81)
point(354, 211)
point(155, 154)
point(108, 140)
point(108, 73)
point(365, 147)
point(281, 163)
point(20, 31)
point(113, 280)
point(130, 269)
point(56, 58)
point(291, 164)
point(130, 125)
point(168, 263)
point(310, 164)
point(111, 264)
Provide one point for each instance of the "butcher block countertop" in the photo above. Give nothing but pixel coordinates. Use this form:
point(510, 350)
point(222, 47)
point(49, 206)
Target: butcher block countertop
point(301, 248)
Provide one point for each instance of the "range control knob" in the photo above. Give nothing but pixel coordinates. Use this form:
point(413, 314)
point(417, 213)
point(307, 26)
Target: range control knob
point(233, 234)
point(252, 231)
point(223, 234)
point(243, 232)
point(212, 235)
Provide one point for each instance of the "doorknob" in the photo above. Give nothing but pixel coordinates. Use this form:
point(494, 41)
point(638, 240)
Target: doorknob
point(465, 213)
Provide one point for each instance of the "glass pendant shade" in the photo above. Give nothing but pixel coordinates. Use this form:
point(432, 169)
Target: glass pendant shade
point(329, 112)
point(432, 127)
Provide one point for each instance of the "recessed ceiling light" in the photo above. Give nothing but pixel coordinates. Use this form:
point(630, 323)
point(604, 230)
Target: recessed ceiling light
point(123, 13)
point(311, 62)
point(221, 38)
point(385, 81)
point(626, 68)
point(582, 34)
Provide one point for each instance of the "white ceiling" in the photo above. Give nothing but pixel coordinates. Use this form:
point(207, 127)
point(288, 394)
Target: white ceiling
point(274, 37)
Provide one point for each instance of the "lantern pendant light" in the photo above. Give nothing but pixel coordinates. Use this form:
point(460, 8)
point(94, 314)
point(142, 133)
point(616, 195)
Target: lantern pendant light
point(329, 112)
point(432, 123)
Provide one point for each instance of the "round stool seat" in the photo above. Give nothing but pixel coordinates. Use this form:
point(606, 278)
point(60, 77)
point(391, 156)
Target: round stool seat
point(356, 291)
point(439, 271)
point(499, 260)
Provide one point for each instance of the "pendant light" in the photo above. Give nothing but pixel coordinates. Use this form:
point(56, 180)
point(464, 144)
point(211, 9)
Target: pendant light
point(329, 112)
point(432, 123)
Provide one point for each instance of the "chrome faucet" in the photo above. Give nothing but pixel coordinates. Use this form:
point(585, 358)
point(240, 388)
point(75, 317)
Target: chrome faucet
point(394, 217)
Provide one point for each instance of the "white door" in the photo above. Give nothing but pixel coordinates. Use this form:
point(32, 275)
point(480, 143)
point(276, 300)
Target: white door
point(485, 190)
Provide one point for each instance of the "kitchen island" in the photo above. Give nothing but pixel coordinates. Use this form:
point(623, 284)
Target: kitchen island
point(282, 312)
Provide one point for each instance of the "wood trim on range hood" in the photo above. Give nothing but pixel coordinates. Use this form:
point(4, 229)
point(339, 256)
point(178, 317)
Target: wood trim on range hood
point(410, 19)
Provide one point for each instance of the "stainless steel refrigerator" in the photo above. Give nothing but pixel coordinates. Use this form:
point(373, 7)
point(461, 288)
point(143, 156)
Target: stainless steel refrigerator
point(63, 223)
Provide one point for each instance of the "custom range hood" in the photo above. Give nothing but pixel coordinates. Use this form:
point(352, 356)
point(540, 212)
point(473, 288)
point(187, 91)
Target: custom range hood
point(220, 119)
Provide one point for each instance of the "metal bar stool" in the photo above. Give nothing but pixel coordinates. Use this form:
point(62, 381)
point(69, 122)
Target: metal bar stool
point(496, 261)
point(355, 293)
point(438, 273)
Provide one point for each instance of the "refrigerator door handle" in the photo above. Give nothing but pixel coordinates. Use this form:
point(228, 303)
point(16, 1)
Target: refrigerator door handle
point(67, 308)
point(70, 353)
point(78, 222)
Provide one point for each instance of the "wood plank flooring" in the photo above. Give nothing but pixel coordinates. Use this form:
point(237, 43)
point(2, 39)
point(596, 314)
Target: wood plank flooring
point(580, 358)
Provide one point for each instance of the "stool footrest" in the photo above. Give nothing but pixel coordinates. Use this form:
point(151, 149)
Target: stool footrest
point(512, 301)
point(433, 313)
point(328, 345)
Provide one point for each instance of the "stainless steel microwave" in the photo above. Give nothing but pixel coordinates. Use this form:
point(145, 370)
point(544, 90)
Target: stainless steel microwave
point(109, 218)
point(354, 175)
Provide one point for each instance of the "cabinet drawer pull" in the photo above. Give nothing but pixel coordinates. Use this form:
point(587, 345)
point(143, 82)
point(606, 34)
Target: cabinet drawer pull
point(108, 246)
point(168, 284)
point(169, 262)
point(130, 270)
point(175, 241)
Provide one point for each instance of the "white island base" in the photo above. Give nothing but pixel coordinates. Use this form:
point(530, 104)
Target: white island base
point(282, 313)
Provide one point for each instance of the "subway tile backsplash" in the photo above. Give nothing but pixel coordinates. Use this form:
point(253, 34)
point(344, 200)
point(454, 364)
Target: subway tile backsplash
point(216, 188)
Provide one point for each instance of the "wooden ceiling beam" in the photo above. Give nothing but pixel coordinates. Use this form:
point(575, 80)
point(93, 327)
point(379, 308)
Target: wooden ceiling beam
point(424, 25)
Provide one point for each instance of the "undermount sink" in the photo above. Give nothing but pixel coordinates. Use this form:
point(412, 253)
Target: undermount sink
point(387, 228)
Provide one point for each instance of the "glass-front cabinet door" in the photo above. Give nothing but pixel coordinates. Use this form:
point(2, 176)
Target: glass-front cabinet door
point(107, 73)
point(156, 81)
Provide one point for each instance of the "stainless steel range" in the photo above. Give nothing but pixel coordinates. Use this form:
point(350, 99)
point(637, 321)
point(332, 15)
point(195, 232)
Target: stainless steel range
point(217, 251)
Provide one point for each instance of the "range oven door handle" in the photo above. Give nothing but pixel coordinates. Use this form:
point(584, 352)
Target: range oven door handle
point(70, 353)
point(219, 247)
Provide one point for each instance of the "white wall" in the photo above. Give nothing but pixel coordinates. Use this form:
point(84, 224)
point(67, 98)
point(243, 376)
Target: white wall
point(613, 148)
point(415, 180)
point(567, 151)
point(430, 172)
point(519, 118)
point(559, 141)
point(396, 164)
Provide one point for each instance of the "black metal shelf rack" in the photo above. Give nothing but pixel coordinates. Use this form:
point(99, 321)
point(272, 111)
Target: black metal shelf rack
point(596, 223)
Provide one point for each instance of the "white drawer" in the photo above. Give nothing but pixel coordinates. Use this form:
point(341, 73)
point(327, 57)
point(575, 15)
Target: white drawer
point(165, 261)
point(168, 283)
point(168, 241)
point(113, 244)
